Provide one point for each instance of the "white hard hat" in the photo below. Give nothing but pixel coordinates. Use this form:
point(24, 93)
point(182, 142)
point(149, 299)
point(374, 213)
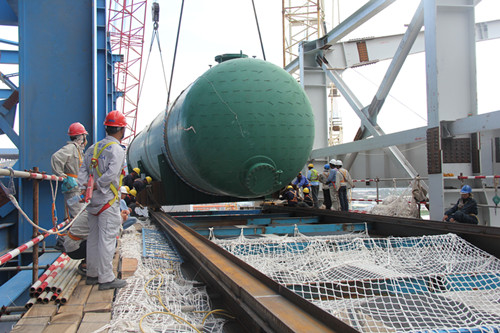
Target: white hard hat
point(339, 162)
point(334, 162)
point(123, 190)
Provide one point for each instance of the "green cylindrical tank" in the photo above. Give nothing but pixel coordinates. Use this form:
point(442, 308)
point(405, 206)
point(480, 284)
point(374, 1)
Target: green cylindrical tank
point(244, 128)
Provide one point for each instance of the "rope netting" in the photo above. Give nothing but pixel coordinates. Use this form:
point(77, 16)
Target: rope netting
point(413, 284)
point(402, 204)
point(157, 297)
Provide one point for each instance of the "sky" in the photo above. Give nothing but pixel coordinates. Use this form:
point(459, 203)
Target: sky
point(210, 28)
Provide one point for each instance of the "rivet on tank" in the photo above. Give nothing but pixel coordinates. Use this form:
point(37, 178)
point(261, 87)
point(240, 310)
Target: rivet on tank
point(242, 130)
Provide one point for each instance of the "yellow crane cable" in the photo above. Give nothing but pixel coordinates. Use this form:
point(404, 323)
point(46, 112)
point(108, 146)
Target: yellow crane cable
point(170, 314)
point(221, 312)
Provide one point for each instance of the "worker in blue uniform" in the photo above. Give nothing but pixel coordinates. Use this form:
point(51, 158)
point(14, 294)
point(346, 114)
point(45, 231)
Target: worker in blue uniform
point(465, 210)
point(300, 182)
point(125, 211)
point(313, 178)
point(104, 162)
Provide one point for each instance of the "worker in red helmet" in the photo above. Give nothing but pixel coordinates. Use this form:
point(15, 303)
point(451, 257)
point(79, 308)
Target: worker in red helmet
point(104, 161)
point(67, 161)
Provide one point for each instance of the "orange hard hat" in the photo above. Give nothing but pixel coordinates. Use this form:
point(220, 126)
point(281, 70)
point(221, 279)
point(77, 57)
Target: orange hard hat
point(76, 129)
point(115, 119)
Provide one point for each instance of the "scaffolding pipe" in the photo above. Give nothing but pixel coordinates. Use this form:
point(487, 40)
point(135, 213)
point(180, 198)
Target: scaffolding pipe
point(51, 277)
point(5, 318)
point(31, 175)
point(69, 271)
point(63, 297)
point(60, 276)
point(66, 282)
point(30, 302)
point(22, 268)
point(6, 257)
point(10, 309)
point(45, 275)
point(41, 297)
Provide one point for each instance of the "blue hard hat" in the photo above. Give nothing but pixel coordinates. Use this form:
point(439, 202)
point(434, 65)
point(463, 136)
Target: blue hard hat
point(327, 166)
point(466, 189)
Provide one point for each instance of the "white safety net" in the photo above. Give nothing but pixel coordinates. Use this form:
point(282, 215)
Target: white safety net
point(158, 298)
point(413, 284)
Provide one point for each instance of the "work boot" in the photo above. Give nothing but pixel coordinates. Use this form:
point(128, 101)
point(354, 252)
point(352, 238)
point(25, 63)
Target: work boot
point(116, 283)
point(91, 280)
point(81, 269)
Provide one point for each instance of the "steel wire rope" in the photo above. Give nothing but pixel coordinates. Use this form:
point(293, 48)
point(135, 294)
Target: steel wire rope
point(175, 54)
point(258, 30)
point(390, 95)
point(157, 35)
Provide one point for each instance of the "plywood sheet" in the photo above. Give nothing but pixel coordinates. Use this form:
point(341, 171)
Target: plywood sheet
point(31, 325)
point(93, 321)
point(64, 323)
point(41, 310)
point(80, 294)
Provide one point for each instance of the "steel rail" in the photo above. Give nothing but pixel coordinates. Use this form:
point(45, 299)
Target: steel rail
point(258, 302)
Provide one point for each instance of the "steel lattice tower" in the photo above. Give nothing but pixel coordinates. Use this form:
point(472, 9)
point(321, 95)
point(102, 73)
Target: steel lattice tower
point(126, 23)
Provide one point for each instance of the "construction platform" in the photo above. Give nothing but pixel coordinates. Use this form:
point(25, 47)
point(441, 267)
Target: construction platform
point(87, 310)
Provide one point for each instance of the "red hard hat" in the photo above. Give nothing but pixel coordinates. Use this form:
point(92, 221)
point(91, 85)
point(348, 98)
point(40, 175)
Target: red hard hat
point(115, 119)
point(76, 129)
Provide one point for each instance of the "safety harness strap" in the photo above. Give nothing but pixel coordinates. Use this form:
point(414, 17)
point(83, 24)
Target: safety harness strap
point(94, 163)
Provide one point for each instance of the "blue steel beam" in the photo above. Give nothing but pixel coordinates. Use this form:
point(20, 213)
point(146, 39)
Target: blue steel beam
point(55, 75)
point(100, 68)
point(234, 231)
point(9, 57)
point(5, 93)
point(9, 42)
point(7, 15)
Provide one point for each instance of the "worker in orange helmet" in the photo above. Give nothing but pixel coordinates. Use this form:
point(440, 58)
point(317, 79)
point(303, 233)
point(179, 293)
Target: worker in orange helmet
point(67, 161)
point(104, 161)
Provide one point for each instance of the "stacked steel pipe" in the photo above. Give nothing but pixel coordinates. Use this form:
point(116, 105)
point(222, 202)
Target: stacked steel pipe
point(56, 283)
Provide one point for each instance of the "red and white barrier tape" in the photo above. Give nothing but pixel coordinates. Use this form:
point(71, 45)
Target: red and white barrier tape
point(6, 257)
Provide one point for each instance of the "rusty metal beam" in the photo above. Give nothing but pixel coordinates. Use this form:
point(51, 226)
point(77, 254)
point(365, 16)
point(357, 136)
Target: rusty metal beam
point(259, 303)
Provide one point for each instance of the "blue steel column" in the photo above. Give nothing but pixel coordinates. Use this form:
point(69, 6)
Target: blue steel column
point(100, 68)
point(55, 89)
point(451, 77)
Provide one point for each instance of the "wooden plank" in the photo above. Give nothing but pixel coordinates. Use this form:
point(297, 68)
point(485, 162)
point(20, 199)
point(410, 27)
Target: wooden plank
point(128, 268)
point(76, 308)
point(80, 294)
point(31, 325)
point(41, 310)
point(97, 307)
point(94, 321)
point(99, 300)
point(99, 296)
point(64, 323)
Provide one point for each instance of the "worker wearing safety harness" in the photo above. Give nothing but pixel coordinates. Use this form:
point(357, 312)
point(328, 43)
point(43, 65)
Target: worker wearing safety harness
point(313, 178)
point(103, 166)
point(67, 161)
